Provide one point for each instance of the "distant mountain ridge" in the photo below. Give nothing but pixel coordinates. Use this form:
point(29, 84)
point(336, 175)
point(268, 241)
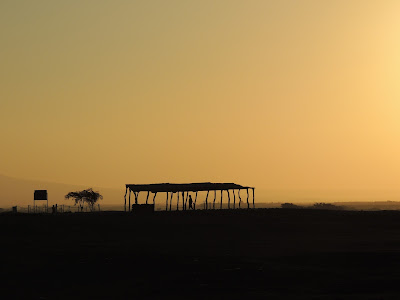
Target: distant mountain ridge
point(14, 191)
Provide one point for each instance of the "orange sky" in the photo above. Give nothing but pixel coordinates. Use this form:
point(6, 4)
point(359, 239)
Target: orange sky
point(272, 94)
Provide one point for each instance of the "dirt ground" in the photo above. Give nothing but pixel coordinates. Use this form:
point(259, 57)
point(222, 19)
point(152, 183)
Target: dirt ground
point(275, 253)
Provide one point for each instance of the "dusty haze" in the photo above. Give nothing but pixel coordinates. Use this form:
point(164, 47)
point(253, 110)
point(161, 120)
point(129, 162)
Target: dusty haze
point(20, 192)
point(280, 95)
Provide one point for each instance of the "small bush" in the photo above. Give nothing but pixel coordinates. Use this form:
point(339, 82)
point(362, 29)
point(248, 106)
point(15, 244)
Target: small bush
point(290, 205)
point(326, 206)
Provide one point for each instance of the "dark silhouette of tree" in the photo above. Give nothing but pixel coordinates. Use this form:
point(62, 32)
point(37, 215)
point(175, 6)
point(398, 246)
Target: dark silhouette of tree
point(86, 196)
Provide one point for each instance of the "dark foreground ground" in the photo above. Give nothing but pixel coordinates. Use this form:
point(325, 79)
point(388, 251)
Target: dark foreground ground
point(274, 253)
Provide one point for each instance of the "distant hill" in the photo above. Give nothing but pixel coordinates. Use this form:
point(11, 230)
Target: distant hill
point(14, 191)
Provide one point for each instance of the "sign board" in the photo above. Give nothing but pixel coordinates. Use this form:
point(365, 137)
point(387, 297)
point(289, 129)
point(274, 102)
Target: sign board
point(40, 195)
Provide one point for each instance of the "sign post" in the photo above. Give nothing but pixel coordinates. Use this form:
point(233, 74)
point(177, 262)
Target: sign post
point(38, 196)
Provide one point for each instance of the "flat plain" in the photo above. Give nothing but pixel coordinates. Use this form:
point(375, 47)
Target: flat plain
point(275, 253)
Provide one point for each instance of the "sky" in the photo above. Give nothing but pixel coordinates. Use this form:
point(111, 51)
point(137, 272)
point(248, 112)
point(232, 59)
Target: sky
point(273, 94)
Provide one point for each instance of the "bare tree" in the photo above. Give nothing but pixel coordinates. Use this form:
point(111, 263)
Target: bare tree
point(86, 196)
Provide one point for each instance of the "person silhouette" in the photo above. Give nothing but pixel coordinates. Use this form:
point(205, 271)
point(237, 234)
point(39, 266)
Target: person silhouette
point(190, 202)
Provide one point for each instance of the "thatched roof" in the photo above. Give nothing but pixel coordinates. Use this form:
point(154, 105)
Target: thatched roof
point(185, 187)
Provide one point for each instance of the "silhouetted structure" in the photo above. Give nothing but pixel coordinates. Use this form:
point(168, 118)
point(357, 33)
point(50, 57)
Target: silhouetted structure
point(40, 195)
point(184, 189)
point(143, 209)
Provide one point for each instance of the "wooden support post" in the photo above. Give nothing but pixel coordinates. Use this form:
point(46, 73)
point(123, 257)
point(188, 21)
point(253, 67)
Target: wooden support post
point(134, 193)
point(194, 204)
point(170, 201)
point(126, 191)
point(234, 199)
point(253, 199)
point(147, 198)
point(177, 202)
point(240, 198)
point(229, 199)
point(183, 200)
point(187, 197)
point(154, 200)
point(166, 203)
point(207, 200)
point(248, 204)
point(129, 207)
point(221, 199)
point(215, 197)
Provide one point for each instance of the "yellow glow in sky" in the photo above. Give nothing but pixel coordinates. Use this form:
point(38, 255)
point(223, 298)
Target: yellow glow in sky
point(272, 94)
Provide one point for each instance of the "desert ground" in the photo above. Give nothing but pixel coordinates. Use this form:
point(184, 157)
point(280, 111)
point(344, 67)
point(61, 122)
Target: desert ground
point(275, 253)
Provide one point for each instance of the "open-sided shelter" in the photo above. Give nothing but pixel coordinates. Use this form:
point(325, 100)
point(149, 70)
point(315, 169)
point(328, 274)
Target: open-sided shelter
point(184, 189)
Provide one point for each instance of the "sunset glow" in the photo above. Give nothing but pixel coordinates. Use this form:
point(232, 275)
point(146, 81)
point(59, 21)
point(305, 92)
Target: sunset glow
point(273, 94)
